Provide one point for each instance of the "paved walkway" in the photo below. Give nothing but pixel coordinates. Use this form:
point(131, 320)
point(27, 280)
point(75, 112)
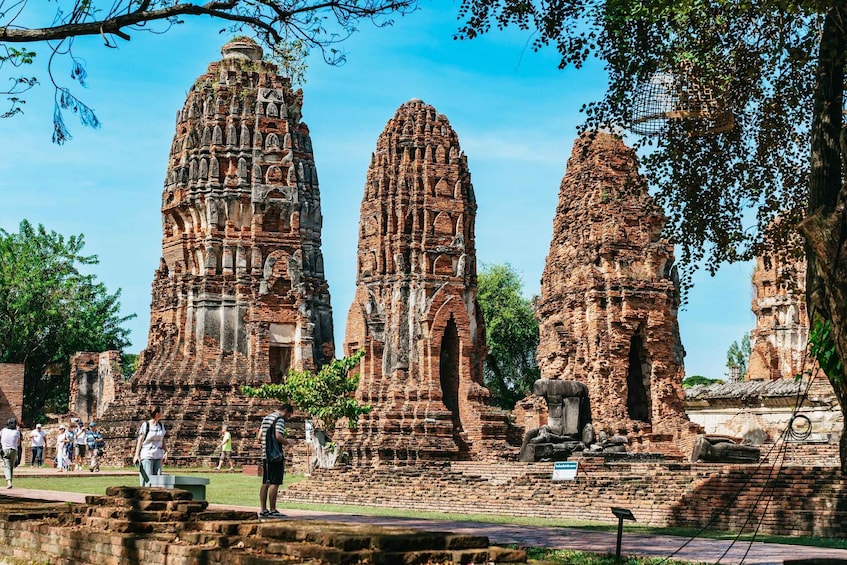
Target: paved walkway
point(699, 550)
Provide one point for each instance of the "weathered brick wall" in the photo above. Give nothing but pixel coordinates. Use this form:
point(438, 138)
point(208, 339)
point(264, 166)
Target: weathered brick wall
point(95, 381)
point(659, 494)
point(159, 527)
point(11, 391)
point(609, 298)
point(110, 380)
point(415, 312)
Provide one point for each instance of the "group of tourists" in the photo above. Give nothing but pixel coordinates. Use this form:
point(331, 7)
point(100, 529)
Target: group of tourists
point(74, 447)
point(77, 444)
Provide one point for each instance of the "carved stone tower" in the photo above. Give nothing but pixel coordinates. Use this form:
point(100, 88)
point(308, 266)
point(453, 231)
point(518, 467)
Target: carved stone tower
point(240, 295)
point(415, 312)
point(609, 299)
point(778, 343)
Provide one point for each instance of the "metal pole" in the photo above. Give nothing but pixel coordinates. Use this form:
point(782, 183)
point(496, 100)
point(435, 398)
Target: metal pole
point(620, 535)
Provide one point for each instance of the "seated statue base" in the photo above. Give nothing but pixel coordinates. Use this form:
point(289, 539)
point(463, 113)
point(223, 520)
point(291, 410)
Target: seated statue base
point(550, 451)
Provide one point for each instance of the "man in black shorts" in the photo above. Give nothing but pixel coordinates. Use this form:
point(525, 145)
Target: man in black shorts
point(272, 472)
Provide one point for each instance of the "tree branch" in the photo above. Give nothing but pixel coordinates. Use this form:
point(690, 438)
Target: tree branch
point(222, 9)
point(113, 25)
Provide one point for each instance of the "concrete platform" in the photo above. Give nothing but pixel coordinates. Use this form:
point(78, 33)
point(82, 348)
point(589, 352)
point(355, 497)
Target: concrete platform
point(195, 485)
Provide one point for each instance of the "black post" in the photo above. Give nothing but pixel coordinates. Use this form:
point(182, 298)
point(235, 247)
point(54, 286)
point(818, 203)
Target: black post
point(620, 535)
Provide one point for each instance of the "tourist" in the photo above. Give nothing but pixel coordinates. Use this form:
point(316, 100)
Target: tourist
point(79, 445)
point(96, 444)
point(10, 443)
point(37, 445)
point(63, 462)
point(272, 472)
point(150, 451)
point(226, 449)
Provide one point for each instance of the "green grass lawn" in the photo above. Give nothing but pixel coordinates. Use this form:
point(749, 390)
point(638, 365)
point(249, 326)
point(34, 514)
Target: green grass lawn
point(242, 490)
point(223, 488)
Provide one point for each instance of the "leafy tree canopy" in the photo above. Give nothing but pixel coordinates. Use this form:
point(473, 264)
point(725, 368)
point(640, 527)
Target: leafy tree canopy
point(283, 27)
point(738, 355)
point(49, 310)
point(129, 363)
point(778, 68)
point(326, 396)
point(758, 57)
point(511, 333)
point(695, 380)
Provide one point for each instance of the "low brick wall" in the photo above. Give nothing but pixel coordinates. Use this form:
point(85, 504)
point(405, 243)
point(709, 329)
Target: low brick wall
point(165, 527)
point(803, 500)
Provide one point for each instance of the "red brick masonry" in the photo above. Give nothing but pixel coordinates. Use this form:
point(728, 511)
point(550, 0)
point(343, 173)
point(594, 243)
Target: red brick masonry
point(809, 501)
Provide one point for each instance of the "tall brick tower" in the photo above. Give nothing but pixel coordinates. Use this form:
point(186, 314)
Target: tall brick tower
point(778, 343)
point(609, 299)
point(240, 295)
point(415, 312)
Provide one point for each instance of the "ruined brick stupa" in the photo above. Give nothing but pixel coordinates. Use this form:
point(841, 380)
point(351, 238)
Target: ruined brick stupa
point(240, 295)
point(778, 343)
point(609, 299)
point(415, 312)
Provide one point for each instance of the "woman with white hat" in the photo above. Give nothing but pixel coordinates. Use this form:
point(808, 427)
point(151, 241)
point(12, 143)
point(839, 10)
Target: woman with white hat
point(62, 461)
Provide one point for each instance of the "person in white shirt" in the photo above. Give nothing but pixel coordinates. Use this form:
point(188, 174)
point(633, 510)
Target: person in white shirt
point(63, 462)
point(150, 450)
point(10, 443)
point(37, 445)
point(79, 446)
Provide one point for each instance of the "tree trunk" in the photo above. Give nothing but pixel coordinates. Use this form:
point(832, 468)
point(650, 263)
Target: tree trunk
point(324, 454)
point(825, 226)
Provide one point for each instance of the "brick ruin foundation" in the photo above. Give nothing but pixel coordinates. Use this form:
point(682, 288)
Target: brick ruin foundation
point(788, 500)
point(609, 299)
point(415, 312)
point(165, 527)
point(240, 294)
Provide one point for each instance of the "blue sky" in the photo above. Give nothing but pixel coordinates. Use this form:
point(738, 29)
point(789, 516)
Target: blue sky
point(515, 113)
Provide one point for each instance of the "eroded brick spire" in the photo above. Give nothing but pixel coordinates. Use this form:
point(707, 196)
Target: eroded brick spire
point(415, 312)
point(609, 299)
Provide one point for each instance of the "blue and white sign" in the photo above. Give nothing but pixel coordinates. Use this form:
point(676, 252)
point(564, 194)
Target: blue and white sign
point(565, 470)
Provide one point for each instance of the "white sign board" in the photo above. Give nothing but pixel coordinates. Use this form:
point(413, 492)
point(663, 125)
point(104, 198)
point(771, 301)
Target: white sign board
point(565, 470)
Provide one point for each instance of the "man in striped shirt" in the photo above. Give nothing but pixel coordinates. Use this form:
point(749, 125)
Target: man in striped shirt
point(272, 472)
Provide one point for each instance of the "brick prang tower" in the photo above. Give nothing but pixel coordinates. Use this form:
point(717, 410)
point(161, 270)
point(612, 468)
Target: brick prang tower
point(415, 312)
point(609, 300)
point(778, 343)
point(240, 295)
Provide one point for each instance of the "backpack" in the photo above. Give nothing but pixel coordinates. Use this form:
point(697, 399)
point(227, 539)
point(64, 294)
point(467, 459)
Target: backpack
point(273, 450)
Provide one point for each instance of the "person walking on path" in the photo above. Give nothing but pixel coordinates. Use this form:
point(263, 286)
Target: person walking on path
point(36, 437)
point(273, 472)
point(10, 443)
point(79, 446)
point(95, 444)
point(225, 448)
point(150, 450)
point(62, 441)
